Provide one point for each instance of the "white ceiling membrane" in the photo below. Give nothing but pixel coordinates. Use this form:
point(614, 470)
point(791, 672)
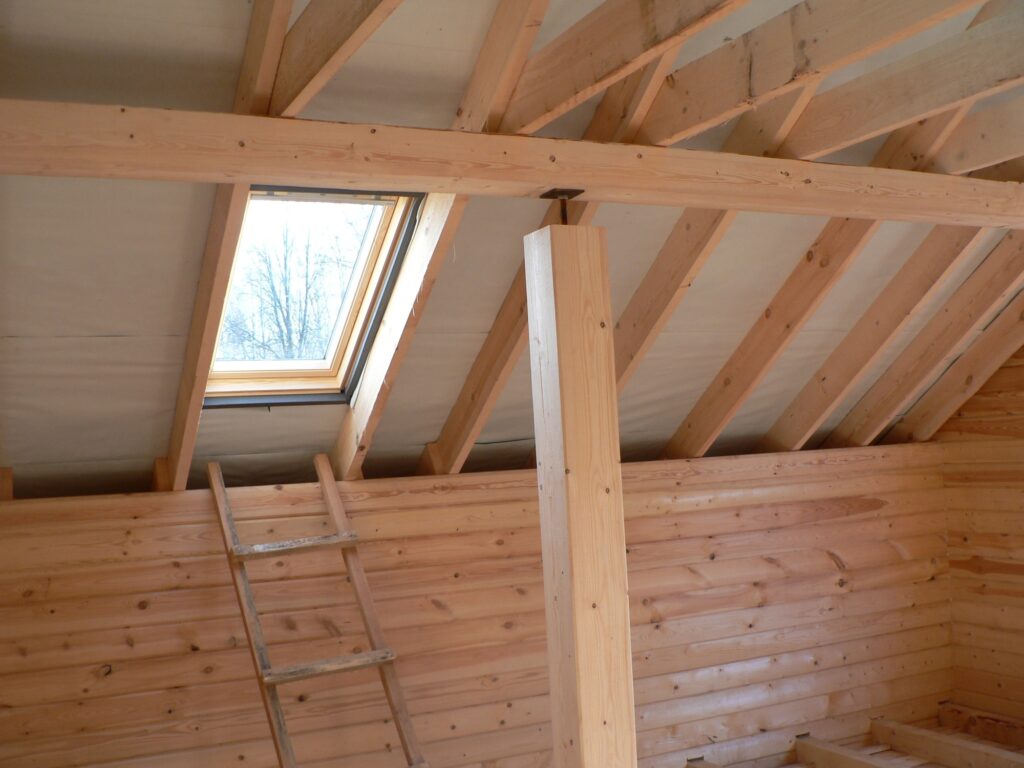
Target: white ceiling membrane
point(98, 277)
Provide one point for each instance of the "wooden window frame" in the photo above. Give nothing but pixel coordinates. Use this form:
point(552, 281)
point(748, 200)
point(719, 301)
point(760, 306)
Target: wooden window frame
point(255, 386)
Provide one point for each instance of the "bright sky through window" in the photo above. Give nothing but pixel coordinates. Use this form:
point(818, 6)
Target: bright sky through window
point(297, 268)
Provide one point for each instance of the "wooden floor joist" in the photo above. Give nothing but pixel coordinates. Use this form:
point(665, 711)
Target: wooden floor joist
point(945, 749)
point(983, 725)
point(822, 754)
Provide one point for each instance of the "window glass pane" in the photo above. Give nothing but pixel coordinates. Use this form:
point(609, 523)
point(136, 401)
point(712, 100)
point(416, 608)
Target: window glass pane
point(297, 264)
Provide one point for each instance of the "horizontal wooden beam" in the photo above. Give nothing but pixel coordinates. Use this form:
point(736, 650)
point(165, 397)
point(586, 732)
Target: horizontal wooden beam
point(946, 749)
point(614, 40)
point(804, 42)
point(986, 59)
point(61, 139)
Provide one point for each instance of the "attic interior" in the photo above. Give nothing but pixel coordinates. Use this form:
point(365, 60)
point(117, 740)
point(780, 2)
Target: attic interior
point(512, 383)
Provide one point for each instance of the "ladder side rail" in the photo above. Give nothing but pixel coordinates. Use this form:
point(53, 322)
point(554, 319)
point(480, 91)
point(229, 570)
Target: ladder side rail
point(251, 621)
point(357, 576)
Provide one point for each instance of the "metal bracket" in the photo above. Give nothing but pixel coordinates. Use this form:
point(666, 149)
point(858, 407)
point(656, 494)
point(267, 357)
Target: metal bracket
point(562, 196)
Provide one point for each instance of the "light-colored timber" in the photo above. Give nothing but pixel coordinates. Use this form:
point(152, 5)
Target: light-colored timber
point(270, 677)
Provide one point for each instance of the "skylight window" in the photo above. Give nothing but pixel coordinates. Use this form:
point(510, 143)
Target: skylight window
point(307, 279)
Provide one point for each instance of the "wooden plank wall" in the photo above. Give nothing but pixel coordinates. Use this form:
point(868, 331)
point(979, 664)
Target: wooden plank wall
point(986, 531)
point(770, 595)
point(995, 411)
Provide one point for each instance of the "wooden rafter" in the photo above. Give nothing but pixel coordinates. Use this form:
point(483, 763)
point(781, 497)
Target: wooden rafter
point(685, 251)
point(987, 58)
point(502, 58)
point(958, 383)
point(967, 311)
point(61, 139)
point(825, 262)
point(923, 274)
point(779, 55)
point(267, 28)
point(320, 41)
point(914, 146)
point(616, 119)
point(616, 39)
point(694, 237)
point(987, 137)
point(793, 305)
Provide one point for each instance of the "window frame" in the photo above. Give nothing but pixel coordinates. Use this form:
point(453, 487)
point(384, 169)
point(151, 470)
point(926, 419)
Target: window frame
point(332, 383)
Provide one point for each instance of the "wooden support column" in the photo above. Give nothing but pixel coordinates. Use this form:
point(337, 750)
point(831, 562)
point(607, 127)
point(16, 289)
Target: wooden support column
point(581, 511)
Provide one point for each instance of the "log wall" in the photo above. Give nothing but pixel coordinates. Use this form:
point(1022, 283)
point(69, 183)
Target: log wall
point(770, 595)
point(995, 411)
point(985, 496)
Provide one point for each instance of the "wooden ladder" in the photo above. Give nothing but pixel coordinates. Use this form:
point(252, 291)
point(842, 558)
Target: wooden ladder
point(269, 677)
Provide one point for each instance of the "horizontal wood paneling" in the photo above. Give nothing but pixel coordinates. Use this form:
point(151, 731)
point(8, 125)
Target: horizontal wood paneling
point(995, 411)
point(986, 552)
point(769, 594)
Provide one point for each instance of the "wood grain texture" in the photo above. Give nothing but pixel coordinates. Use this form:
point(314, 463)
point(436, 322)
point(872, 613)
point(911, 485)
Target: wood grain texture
point(821, 573)
point(513, 29)
point(971, 307)
point(267, 28)
point(60, 139)
point(984, 60)
point(321, 40)
point(583, 541)
point(613, 41)
point(809, 40)
point(986, 535)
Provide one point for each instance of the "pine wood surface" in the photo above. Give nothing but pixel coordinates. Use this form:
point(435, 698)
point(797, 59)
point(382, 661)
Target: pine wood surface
point(766, 593)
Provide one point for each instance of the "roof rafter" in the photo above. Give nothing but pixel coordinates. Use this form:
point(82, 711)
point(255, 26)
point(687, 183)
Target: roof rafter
point(779, 55)
point(922, 275)
point(320, 41)
point(826, 261)
point(987, 58)
point(502, 57)
point(962, 380)
point(999, 277)
point(616, 39)
point(267, 27)
point(616, 119)
point(984, 138)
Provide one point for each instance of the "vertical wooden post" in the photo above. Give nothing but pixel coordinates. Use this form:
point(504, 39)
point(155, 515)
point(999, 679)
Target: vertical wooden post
point(575, 416)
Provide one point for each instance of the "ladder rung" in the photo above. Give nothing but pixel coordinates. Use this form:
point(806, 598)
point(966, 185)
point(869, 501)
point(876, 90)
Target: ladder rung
point(328, 666)
point(270, 549)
